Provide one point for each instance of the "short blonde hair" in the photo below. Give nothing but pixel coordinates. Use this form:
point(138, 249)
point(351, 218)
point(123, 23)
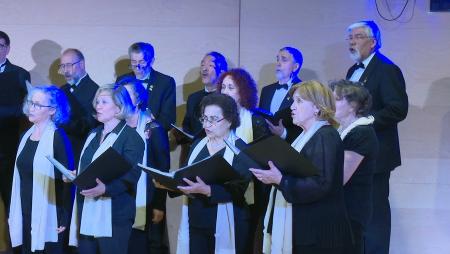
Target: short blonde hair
point(321, 96)
point(121, 99)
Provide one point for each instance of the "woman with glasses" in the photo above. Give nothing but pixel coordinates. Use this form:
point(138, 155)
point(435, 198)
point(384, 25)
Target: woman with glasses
point(104, 214)
point(353, 102)
point(215, 217)
point(239, 84)
point(308, 214)
point(40, 200)
point(148, 227)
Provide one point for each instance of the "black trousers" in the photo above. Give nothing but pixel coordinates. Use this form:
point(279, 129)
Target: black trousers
point(117, 244)
point(300, 249)
point(6, 177)
point(378, 232)
point(358, 236)
point(150, 241)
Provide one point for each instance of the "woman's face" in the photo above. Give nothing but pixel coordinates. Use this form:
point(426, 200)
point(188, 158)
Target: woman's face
point(213, 122)
point(343, 108)
point(39, 109)
point(304, 113)
point(105, 107)
point(230, 88)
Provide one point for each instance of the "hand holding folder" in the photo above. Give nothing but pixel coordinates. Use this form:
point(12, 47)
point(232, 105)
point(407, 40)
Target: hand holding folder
point(212, 170)
point(108, 166)
point(258, 153)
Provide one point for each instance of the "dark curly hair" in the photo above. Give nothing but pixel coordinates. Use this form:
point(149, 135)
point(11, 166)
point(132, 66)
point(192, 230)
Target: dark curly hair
point(355, 94)
point(224, 102)
point(245, 84)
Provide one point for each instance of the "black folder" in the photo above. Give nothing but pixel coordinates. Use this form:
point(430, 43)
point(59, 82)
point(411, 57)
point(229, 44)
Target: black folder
point(181, 136)
point(281, 153)
point(212, 170)
point(108, 166)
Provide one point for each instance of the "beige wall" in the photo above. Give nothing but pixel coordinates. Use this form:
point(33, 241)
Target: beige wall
point(182, 31)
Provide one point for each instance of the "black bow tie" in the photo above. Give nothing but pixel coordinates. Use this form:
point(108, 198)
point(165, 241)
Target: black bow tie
point(72, 87)
point(360, 65)
point(282, 86)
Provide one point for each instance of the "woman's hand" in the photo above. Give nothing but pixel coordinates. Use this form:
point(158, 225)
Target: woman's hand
point(276, 129)
point(60, 229)
point(97, 191)
point(67, 180)
point(198, 187)
point(270, 176)
point(158, 215)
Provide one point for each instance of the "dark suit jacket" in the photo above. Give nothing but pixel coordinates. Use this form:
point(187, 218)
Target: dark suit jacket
point(318, 209)
point(82, 120)
point(122, 190)
point(386, 84)
point(158, 156)
point(161, 99)
point(284, 112)
point(191, 122)
point(11, 100)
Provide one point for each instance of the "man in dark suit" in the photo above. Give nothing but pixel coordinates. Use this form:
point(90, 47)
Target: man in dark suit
point(386, 84)
point(212, 65)
point(80, 90)
point(275, 97)
point(161, 87)
point(13, 90)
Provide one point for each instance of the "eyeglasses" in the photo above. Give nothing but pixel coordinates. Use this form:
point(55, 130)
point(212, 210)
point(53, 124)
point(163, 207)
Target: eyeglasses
point(65, 66)
point(35, 105)
point(358, 37)
point(134, 66)
point(213, 120)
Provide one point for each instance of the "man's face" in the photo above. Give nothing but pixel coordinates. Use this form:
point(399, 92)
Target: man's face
point(4, 50)
point(71, 67)
point(360, 45)
point(286, 65)
point(208, 70)
point(139, 65)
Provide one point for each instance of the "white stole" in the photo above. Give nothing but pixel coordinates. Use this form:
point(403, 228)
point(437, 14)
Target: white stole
point(360, 121)
point(43, 208)
point(280, 240)
point(96, 215)
point(245, 132)
point(141, 191)
point(224, 234)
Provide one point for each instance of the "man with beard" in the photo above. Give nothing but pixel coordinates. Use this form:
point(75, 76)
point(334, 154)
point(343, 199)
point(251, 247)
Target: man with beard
point(275, 98)
point(385, 82)
point(80, 90)
point(212, 65)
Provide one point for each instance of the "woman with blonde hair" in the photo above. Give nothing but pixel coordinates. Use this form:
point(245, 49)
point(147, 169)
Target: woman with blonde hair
point(307, 214)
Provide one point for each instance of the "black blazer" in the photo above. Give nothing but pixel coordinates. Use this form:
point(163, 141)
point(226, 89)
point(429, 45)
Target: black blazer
point(82, 120)
point(158, 156)
point(284, 112)
point(122, 191)
point(191, 122)
point(386, 84)
point(11, 100)
point(161, 99)
point(318, 208)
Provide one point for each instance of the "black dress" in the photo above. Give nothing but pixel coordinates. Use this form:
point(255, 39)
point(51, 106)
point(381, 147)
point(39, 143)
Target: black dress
point(358, 190)
point(61, 148)
point(319, 217)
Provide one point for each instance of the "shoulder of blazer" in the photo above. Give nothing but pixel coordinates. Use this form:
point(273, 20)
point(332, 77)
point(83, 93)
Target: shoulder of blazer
point(156, 76)
point(12, 67)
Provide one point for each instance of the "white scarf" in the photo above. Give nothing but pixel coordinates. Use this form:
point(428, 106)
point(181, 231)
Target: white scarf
point(141, 191)
point(360, 121)
point(224, 234)
point(96, 215)
point(245, 132)
point(280, 241)
point(43, 207)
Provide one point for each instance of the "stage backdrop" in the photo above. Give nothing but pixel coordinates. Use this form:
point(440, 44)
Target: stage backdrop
point(249, 33)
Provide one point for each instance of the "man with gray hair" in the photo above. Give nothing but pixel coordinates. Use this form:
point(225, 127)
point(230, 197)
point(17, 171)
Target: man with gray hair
point(385, 82)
